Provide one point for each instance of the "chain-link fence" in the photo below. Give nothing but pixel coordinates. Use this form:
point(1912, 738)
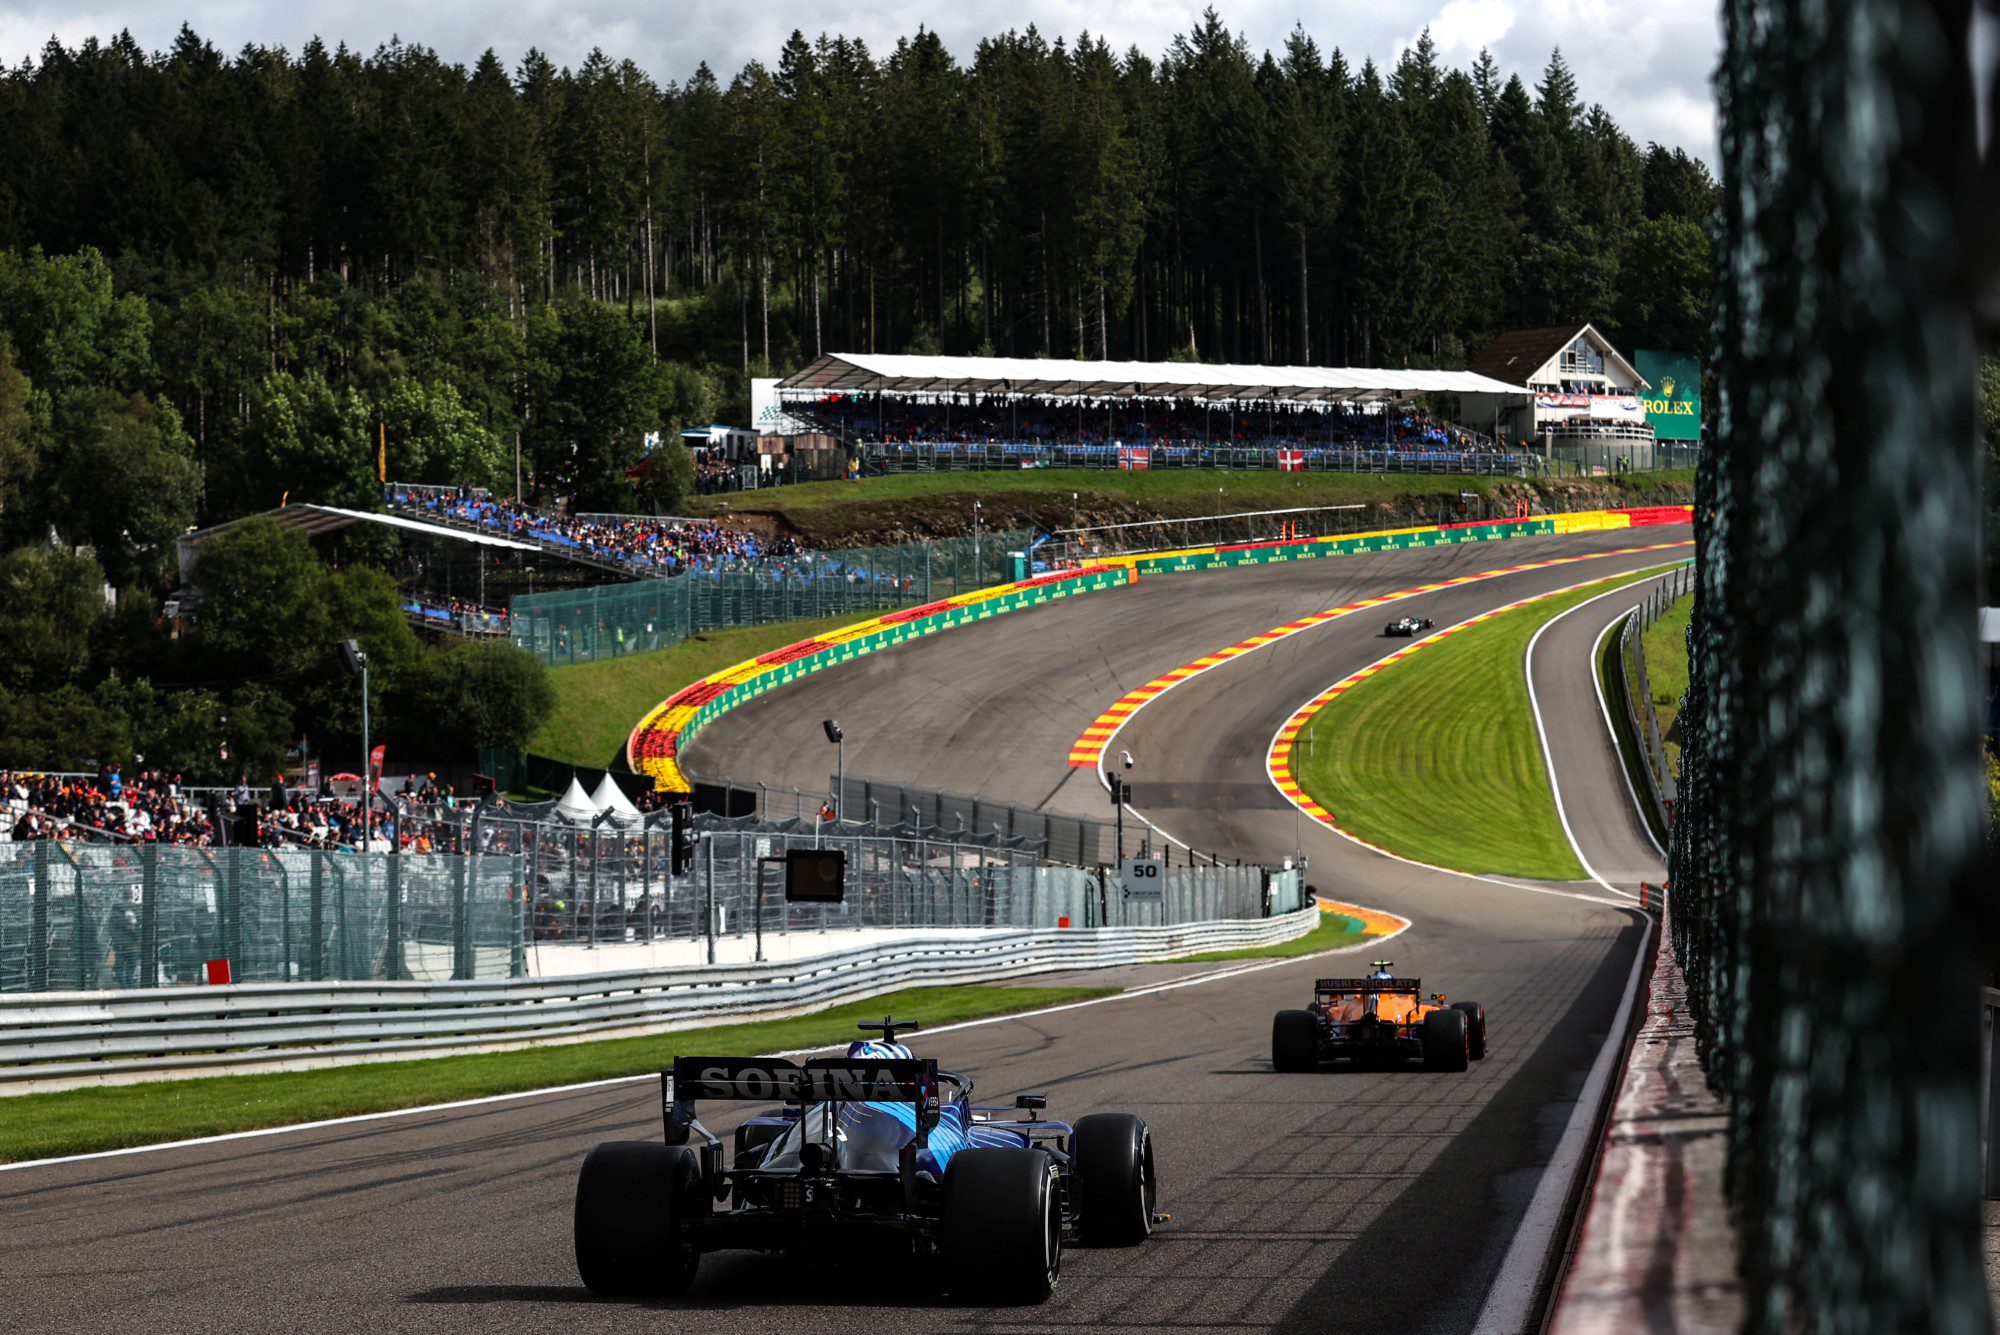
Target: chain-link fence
point(610, 620)
point(1829, 901)
point(1655, 767)
point(88, 916)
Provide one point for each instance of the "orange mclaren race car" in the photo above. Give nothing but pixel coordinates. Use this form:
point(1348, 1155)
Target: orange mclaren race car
point(1378, 1020)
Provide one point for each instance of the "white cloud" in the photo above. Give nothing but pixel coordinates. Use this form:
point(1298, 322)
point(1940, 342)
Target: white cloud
point(1464, 28)
point(1648, 64)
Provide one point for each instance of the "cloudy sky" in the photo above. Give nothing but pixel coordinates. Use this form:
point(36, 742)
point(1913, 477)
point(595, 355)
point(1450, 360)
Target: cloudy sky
point(1648, 61)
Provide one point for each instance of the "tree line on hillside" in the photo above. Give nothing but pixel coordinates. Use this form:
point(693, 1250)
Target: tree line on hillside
point(313, 245)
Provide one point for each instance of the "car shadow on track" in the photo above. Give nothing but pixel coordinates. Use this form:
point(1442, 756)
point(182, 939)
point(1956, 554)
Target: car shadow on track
point(727, 1282)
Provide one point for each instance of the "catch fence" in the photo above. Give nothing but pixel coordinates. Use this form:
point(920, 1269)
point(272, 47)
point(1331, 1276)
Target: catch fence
point(610, 620)
point(1832, 885)
point(111, 916)
point(86, 916)
point(1654, 763)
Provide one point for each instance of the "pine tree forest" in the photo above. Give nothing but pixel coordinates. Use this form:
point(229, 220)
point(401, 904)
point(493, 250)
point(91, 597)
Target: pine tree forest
point(226, 278)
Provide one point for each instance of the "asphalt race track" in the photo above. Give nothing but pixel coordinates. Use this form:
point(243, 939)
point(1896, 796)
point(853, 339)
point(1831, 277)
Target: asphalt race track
point(1341, 1201)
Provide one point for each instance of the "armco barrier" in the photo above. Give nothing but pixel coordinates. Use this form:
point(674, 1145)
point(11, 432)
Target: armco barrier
point(655, 744)
point(72, 1034)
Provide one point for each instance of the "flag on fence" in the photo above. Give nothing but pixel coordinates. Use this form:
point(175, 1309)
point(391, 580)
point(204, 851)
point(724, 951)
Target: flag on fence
point(1134, 456)
point(1291, 461)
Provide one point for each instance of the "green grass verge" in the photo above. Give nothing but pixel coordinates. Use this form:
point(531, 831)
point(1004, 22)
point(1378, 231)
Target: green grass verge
point(1333, 932)
point(1665, 643)
point(597, 704)
point(1437, 758)
point(833, 514)
point(79, 1121)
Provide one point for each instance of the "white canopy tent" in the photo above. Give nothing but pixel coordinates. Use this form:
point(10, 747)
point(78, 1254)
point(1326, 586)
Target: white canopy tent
point(610, 799)
point(575, 806)
point(873, 373)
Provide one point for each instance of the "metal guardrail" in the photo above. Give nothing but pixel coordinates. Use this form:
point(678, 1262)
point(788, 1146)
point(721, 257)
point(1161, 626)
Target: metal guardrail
point(1661, 784)
point(84, 1033)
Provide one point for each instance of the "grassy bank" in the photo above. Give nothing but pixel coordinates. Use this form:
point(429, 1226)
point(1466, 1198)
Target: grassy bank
point(1437, 758)
point(913, 505)
point(1665, 643)
point(38, 1126)
point(597, 704)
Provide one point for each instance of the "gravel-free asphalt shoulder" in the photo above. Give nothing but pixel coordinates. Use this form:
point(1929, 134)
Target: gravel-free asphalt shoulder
point(1335, 1201)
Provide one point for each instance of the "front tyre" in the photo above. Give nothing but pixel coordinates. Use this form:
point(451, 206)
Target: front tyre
point(1295, 1041)
point(1001, 1228)
point(1112, 1184)
point(1445, 1041)
point(633, 1198)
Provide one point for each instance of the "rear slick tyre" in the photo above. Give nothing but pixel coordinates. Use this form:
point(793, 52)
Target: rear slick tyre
point(632, 1198)
point(1112, 1184)
point(1001, 1230)
point(1475, 1027)
point(1295, 1041)
point(1445, 1041)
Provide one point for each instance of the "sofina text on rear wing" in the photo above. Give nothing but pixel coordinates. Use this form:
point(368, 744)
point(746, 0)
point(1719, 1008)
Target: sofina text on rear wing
point(765, 1079)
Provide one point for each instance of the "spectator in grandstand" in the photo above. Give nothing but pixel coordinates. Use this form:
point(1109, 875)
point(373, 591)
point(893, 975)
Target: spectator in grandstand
point(1026, 422)
point(656, 546)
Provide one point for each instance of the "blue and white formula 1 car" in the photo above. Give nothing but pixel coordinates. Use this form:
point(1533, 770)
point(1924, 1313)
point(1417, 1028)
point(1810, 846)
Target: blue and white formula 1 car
point(878, 1153)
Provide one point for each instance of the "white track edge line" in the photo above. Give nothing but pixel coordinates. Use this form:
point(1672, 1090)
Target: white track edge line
point(1440, 587)
point(1617, 743)
point(1511, 1300)
point(1624, 899)
point(259, 1132)
point(1542, 730)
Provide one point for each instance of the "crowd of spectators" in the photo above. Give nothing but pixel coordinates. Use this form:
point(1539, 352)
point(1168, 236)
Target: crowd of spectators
point(1002, 420)
point(151, 808)
point(154, 807)
point(456, 614)
point(654, 546)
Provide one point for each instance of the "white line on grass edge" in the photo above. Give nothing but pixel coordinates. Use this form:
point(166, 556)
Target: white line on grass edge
point(1511, 1300)
point(1150, 989)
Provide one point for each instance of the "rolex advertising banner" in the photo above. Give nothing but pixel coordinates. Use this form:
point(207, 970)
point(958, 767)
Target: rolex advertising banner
point(1673, 404)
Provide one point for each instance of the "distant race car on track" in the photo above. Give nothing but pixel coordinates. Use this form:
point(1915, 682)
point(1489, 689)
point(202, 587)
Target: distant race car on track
point(1406, 626)
point(1378, 1020)
point(874, 1156)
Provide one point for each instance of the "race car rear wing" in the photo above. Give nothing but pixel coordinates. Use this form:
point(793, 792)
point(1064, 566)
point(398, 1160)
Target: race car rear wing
point(826, 1080)
point(1342, 986)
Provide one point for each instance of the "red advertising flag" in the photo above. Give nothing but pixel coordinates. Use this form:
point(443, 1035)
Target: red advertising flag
point(1291, 461)
point(375, 769)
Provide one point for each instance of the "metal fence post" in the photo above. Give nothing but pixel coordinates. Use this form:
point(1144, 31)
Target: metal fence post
point(392, 920)
point(708, 894)
point(461, 939)
point(149, 916)
point(316, 915)
point(38, 923)
point(232, 900)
